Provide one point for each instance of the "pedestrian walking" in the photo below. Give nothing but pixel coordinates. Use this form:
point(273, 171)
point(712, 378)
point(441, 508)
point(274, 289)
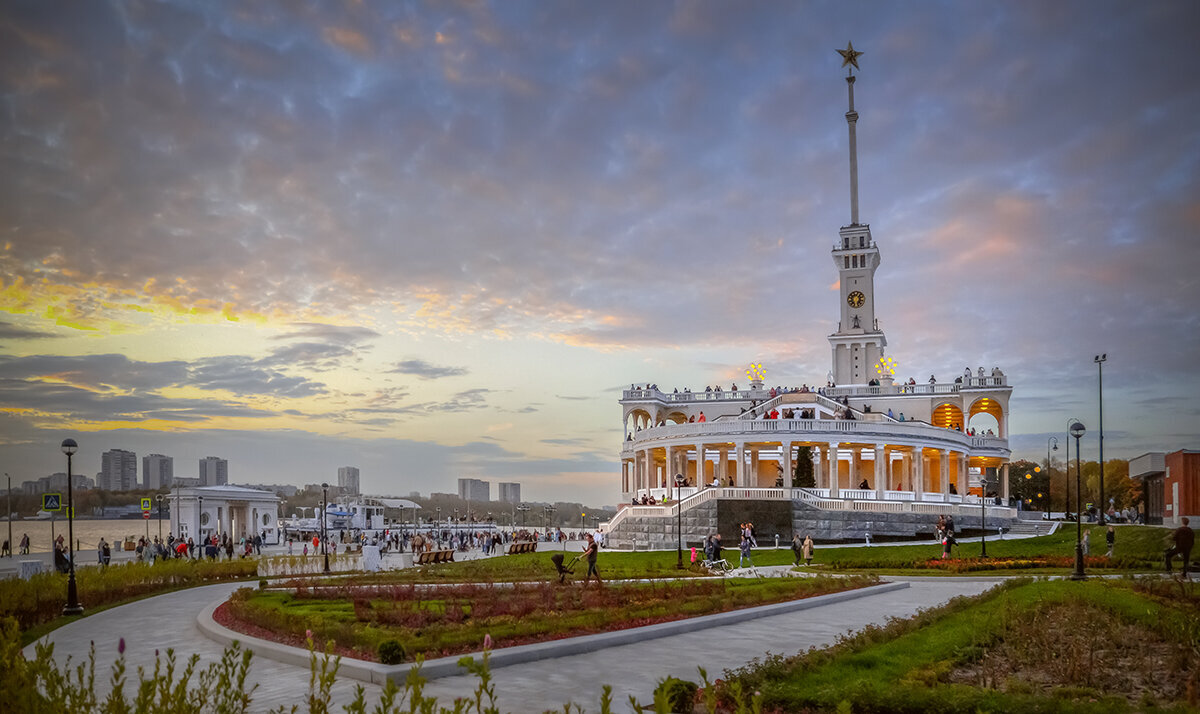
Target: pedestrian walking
point(1181, 541)
point(797, 547)
point(1110, 537)
point(807, 550)
point(744, 556)
point(592, 551)
point(1086, 543)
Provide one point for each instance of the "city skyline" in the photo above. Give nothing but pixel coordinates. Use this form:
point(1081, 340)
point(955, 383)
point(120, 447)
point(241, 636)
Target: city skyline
point(436, 242)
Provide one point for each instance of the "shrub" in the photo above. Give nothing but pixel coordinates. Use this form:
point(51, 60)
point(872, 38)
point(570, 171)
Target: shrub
point(677, 694)
point(391, 652)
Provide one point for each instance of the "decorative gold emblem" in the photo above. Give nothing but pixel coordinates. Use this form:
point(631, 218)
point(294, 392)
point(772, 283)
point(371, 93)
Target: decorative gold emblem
point(850, 55)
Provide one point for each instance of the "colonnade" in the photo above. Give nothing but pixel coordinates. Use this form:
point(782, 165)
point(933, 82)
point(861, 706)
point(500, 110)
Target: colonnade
point(837, 466)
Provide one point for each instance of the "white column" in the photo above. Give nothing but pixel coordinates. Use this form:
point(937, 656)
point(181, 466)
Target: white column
point(832, 464)
point(963, 480)
point(700, 459)
point(881, 471)
point(918, 473)
point(855, 468)
point(944, 468)
point(1004, 484)
point(723, 466)
point(788, 469)
point(906, 480)
point(753, 480)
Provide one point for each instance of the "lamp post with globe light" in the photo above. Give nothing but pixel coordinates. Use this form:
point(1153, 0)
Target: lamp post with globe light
point(69, 447)
point(1067, 507)
point(679, 480)
point(1077, 431)
point(324, 519)
point(1050, 506)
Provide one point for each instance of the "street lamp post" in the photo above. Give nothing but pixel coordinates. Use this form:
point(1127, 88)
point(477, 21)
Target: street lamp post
point(1050, 507)
point(73, 607)
point(1100, 360)
point(983, 484)
point(1067, 468)
point(324, 519)
point(158, 499)
point(678, 522)
point(9, 519)
point(1077, 430)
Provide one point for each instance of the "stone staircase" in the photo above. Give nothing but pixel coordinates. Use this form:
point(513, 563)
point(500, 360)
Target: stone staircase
point(1033, 528)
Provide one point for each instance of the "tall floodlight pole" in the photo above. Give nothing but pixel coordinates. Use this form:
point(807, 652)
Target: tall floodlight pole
point(73, 607)
point(1100, 360)
point(1077, 431)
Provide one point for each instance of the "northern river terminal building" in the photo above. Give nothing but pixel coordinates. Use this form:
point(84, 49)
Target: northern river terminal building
point(888, 457)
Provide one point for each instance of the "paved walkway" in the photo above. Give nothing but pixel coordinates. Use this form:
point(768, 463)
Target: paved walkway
point(168, 621)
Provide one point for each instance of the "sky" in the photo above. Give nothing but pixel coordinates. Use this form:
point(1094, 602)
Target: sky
point(436, 240)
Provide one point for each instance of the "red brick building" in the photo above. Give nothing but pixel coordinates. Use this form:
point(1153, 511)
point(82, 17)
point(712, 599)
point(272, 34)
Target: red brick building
point(1171, 485)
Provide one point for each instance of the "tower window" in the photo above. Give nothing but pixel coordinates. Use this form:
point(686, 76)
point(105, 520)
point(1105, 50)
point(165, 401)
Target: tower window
point(861, 241)
point(847, 259)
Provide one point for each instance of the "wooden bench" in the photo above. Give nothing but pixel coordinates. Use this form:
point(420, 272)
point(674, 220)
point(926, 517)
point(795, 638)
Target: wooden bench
point(435, 556)
point(524, 547)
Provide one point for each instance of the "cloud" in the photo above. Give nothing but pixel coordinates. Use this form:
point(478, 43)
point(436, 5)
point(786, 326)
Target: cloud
point(425, 370)
point(9, 331)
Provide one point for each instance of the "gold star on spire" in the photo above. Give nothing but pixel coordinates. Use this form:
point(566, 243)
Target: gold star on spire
point(849, 55)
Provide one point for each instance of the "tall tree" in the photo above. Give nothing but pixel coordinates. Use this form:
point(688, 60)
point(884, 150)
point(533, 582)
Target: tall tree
point(804, 477)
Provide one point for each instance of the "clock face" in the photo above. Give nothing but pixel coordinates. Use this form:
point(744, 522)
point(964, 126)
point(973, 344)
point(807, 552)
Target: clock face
point(856, 299)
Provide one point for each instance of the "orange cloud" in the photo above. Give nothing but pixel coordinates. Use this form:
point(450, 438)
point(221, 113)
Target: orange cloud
point(347, 39)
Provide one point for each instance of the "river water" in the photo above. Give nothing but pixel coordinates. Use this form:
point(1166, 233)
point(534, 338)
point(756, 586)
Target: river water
point(88, 532)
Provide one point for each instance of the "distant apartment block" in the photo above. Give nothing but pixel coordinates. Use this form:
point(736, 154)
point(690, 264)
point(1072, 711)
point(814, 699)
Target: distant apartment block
point(118, 470)
point(214, 471)
point(56, 483)
point(158, 471)
point(510, 492)
point(348, 480)
point(472, 489)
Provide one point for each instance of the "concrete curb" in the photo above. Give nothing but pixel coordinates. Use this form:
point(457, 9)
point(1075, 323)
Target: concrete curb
point(448, 666)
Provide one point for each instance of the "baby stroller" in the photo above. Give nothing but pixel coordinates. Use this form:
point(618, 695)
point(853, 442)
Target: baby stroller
point(563, 570)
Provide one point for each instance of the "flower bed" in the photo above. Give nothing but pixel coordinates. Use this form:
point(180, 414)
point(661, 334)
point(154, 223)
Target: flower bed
point(450, 619)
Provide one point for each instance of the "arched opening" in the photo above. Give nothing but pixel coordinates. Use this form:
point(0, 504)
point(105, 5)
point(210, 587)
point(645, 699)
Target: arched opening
point(947, 416)
point(677, 418)
point(984, 416)
point(639, 419)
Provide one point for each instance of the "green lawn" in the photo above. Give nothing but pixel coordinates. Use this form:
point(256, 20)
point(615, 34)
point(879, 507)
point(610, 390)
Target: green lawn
point(1138, 549)
point(1029, 646)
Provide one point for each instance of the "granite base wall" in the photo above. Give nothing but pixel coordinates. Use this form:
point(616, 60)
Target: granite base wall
point(782, 518)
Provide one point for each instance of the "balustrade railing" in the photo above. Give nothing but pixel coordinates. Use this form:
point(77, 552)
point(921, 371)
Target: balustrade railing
point(847, 500)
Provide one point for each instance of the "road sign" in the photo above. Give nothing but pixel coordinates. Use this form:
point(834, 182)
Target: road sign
point(51, 501)
point(145, 505)
point(146, 515)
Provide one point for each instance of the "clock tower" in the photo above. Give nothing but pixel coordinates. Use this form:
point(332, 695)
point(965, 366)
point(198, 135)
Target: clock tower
point(858, 343)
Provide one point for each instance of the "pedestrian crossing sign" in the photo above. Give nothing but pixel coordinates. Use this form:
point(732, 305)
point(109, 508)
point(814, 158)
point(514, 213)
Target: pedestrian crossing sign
point(51, 501)
point(146, 505)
